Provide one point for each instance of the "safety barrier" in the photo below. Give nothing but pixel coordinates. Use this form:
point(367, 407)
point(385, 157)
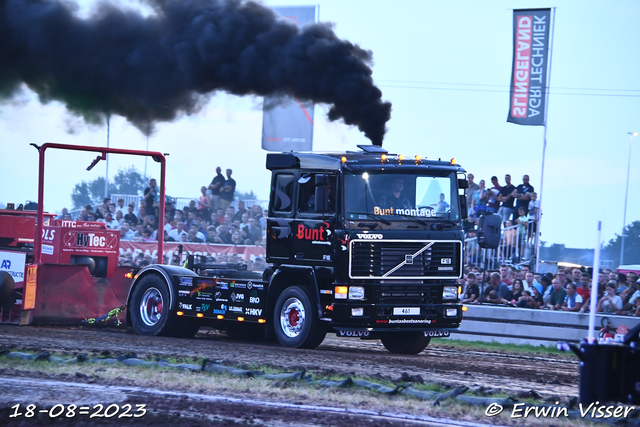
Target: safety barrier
point(526, 326)
point(514, 249)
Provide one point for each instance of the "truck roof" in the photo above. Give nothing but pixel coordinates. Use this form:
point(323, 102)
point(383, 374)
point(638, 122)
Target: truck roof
point(371, 157)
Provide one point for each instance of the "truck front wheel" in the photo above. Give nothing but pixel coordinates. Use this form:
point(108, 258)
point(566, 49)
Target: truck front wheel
point(296, 320)
point(405, 342)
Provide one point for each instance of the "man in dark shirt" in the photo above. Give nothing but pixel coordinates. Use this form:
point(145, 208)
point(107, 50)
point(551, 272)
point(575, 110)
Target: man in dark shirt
point(506, 209)
point(216, 185)
point(395, 199)
point(130, 216)
point(523, 195)
point(228, 191)
point(149, 196)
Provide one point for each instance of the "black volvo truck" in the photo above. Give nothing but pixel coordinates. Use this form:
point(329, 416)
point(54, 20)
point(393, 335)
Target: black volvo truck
point(364, 244)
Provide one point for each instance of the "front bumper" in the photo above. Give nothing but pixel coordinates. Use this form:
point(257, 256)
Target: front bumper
point(381, 317)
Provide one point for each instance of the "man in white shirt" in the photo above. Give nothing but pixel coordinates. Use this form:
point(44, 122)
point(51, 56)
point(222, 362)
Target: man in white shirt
point(178, 231)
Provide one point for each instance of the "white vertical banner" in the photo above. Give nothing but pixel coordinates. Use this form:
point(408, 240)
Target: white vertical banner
point(287, 123)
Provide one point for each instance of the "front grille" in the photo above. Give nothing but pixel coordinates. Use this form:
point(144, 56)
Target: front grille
point(405, 259)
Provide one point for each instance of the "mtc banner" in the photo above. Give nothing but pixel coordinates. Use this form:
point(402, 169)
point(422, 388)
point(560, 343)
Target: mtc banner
point(530, 67)
point(287, 123)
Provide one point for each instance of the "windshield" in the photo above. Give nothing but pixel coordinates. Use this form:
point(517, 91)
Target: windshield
point(401, 197)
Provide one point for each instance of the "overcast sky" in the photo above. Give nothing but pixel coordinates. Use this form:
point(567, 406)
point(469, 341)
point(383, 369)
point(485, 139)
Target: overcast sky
point(446, 67)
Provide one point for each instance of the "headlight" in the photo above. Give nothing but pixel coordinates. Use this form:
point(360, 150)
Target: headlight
point(356, 292)
point(449, 293)
point(451, 312)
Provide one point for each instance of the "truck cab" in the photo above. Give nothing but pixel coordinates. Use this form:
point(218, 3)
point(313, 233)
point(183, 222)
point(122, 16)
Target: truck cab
point(375, 237)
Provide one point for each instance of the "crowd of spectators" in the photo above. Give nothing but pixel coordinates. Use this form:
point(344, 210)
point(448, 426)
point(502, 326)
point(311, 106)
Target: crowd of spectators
point(567, 290)
point(518, 207)
point(210, 218)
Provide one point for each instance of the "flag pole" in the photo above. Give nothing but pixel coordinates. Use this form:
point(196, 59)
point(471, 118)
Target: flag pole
point(544, 142)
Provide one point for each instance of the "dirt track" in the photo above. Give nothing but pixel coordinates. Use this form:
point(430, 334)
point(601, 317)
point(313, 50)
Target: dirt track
point(513, 373)
point(517, 374)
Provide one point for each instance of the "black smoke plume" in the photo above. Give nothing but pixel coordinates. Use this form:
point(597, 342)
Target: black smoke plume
point(157, 68)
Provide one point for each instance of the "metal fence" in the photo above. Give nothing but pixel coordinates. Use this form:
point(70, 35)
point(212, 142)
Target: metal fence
point(514, 249)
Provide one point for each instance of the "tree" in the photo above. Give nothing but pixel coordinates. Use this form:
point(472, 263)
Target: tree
point(245, 195)
point(126, 181)
point(631, 245)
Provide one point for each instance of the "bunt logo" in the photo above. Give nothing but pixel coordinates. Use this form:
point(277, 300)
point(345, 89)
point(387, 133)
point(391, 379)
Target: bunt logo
point(254, 311)
point(305, 233)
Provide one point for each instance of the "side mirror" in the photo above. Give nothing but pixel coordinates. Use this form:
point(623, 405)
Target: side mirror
point(463, 206)
point(463, 183)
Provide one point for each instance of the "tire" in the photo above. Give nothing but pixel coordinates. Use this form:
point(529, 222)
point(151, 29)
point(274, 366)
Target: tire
point(149, 307)
point(405, 342)
point(296, 321)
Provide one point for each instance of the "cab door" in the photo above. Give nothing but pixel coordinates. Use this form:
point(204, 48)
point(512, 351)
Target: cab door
point(280, 218)
point(315, 216)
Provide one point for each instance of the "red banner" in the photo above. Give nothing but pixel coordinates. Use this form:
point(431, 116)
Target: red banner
point(151, 248)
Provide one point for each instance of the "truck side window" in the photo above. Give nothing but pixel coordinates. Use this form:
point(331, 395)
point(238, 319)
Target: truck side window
point(283, 194)
point(314, 185)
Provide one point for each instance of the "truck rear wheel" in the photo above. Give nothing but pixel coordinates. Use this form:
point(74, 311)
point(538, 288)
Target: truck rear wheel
point(296, 320)
point(149, 307)
point(405, 342)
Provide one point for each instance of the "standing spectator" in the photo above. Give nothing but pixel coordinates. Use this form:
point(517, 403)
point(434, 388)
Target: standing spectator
point(534, 207)
point(506, 208)
point(216, 186)
point(509, 240)
point(150, 194)
point(470, 190)
point(557, 295)
point(493, 203)
point(504, 275)
point(523, 194)
point(573, 300)
point(523, 227)
point(479, 200)
point(228, 191)
point(610, 302)
point(204, 202)
point(130, 215)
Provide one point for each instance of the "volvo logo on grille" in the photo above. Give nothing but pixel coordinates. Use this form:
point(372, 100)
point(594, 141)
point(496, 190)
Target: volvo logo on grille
point(408, 259)
point(369, 236)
